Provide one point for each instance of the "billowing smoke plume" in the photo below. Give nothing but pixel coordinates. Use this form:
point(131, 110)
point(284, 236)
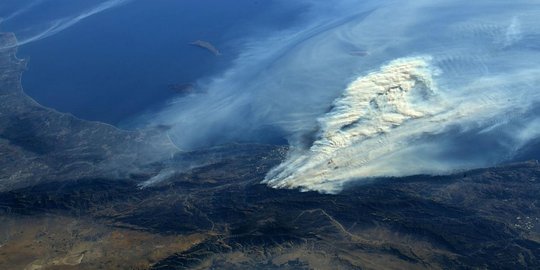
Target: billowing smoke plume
point(355, 133)
point(363, 89)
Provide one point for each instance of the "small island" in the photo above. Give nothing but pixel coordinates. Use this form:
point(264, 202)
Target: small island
point(206, 45)
point(182, 88)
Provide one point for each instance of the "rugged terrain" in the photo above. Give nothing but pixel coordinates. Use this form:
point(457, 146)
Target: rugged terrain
point(39, 144)
point(73, 196)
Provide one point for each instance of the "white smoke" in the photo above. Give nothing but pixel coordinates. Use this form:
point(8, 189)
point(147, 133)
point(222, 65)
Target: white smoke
point(437, 86)
point(355, 132)
point(379, 126)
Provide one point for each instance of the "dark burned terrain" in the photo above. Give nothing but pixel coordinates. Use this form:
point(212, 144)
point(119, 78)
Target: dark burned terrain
point(63, 205)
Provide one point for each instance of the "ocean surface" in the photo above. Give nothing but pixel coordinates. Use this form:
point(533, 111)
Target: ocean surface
point(117, 63)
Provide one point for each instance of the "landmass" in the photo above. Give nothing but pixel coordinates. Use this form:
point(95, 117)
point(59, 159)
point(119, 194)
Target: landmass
point(359, 53)
point(206, 45)
point(71, 198)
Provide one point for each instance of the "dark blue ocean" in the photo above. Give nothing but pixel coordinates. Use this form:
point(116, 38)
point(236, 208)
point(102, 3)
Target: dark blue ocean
point(118, 63)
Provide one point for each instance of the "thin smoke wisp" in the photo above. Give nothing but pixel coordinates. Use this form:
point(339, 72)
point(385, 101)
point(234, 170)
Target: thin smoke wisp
point(45, 29)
